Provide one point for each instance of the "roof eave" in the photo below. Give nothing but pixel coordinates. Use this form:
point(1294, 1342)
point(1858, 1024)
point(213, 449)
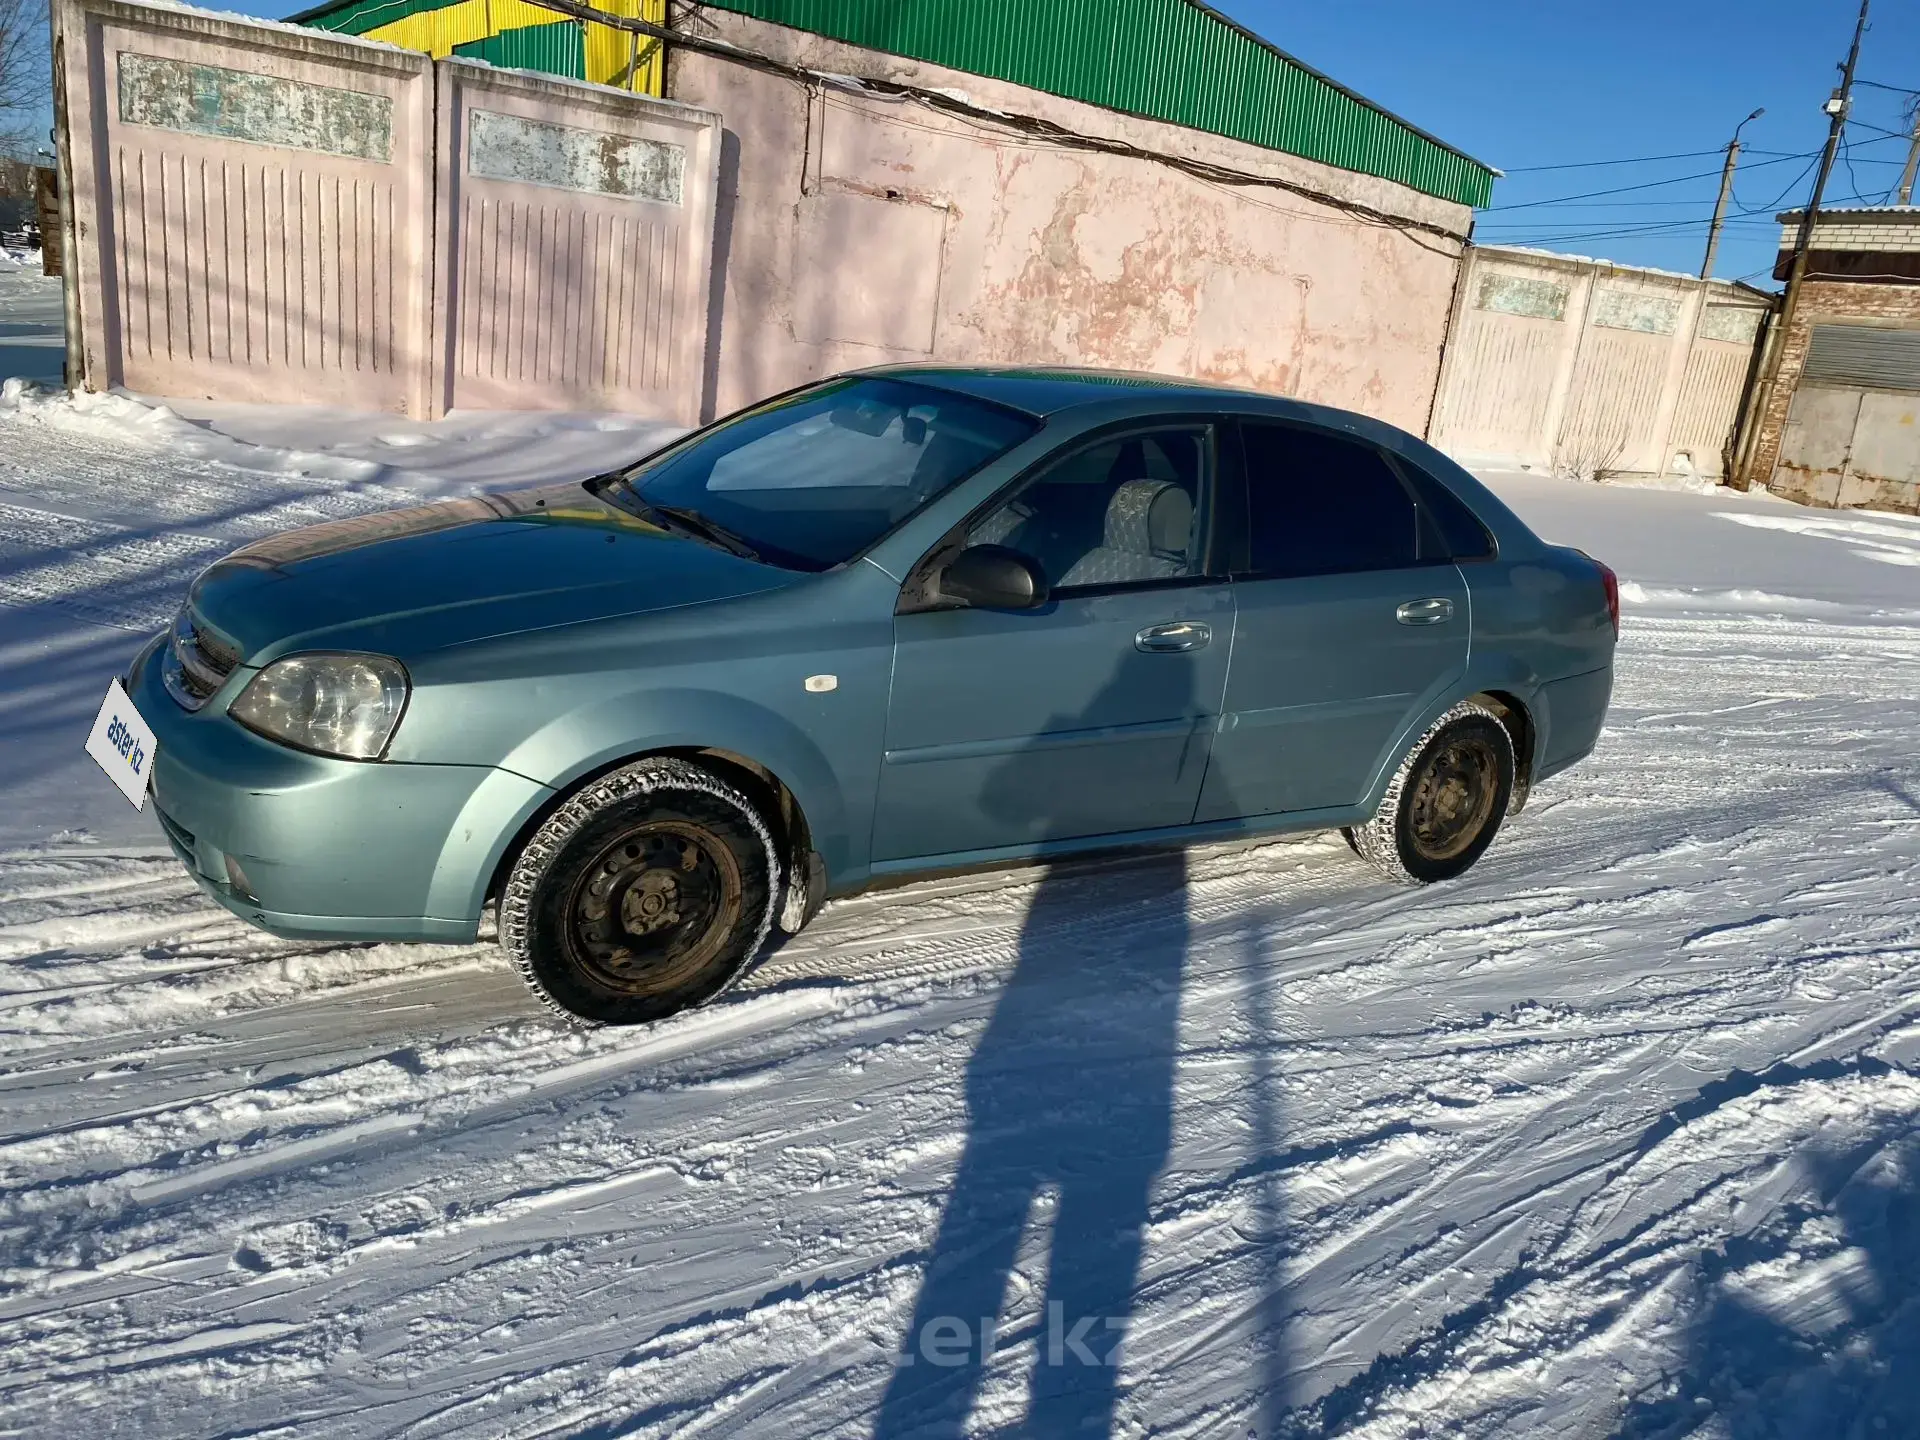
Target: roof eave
point(1346, 90)
point(318, 12)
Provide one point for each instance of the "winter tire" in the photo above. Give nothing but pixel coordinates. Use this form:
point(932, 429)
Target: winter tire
point(1446, 801)
point(646, 893)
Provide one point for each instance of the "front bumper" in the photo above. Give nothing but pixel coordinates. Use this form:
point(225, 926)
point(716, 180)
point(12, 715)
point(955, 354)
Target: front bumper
point(329, 849)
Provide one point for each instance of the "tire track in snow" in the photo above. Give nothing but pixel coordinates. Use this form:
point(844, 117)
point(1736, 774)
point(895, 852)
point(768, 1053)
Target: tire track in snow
point(1458, 1073)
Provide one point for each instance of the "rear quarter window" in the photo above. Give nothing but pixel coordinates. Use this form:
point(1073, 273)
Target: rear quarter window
point(1461, 533)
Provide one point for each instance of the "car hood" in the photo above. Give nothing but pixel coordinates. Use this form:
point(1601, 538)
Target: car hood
point(458, 571)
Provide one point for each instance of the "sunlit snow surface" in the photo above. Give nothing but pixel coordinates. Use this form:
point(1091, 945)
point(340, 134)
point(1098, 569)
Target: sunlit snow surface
point(1615, 1135)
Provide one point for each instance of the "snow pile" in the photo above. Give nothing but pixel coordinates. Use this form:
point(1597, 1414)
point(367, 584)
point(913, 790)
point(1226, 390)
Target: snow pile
point(1870, 535)
point(109, 506)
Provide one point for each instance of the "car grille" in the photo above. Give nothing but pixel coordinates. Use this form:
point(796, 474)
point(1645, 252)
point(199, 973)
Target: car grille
point(195, 664)
point(176, 832)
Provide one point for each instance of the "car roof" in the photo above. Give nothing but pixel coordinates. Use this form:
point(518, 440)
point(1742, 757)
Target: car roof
point(1048, 390)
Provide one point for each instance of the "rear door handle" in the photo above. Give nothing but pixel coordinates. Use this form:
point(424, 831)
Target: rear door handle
point(1173, 638)
point(1424, 612)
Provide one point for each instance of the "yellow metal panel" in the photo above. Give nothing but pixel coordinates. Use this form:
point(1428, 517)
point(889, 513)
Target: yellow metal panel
point(436, 32)
point(630, 62)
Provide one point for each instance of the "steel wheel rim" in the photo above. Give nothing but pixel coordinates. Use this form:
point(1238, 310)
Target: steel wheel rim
point(655, 907)
point(1452, 798)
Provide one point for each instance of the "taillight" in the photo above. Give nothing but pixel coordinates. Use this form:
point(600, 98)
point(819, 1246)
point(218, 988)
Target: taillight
point(1612, 583)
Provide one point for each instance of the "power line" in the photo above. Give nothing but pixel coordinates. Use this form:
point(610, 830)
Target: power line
point(1660, 229)
point(1624, 226)
point(1846, 153)
point(1896, 89)
point(1633, 204)
point(1812, 158)
point(1636, 160)
point(1629, 189)
point(1603, 222)
point(1594, 164)
point(1741, 474)
point(1881, 131)
point(1774, 204)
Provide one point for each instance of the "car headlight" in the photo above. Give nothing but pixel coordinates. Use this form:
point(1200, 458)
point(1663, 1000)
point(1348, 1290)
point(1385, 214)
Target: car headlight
point(345, 705)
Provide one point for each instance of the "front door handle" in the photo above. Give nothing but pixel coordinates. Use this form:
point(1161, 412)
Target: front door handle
point(1174, 638)
point(1424, 612)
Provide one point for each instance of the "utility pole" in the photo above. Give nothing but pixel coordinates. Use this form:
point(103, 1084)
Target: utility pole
point(1726, 194)
point(1913, 159)
point(1837, 107)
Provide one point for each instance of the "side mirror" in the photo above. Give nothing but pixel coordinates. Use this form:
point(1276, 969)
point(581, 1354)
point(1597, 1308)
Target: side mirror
point(995, 578)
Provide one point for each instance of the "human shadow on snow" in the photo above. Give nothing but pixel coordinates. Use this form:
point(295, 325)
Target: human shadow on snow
point(1070, 1099)
point(1831, 1349)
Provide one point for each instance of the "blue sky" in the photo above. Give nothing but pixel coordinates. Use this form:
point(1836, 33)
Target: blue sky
point(1532, 84)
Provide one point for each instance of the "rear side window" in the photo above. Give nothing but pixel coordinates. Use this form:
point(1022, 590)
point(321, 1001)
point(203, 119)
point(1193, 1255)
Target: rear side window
point(1457, 527)
point(1319, 504)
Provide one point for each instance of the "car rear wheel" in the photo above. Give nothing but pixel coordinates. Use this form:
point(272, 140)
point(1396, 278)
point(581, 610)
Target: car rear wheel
point(648, 892)
point(1446, 802)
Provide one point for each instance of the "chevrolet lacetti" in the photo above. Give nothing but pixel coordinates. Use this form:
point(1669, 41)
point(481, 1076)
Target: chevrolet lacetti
point(899, 621)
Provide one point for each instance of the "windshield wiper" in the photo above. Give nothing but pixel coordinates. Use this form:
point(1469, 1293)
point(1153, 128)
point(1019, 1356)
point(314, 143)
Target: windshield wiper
point(692, 522)
point(618, 491)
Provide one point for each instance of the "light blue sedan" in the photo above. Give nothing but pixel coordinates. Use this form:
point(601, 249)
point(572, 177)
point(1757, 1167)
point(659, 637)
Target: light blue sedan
point(895, 622)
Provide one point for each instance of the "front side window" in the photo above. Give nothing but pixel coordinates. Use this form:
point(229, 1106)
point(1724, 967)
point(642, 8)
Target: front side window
point(1319, 504)
point(1122, 512)
point(811, 479)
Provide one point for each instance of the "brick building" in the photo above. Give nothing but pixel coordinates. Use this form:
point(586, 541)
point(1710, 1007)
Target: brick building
point(1842, 425)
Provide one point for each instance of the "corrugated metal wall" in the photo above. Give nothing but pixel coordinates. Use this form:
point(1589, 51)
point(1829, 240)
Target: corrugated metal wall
point(1169, 59)
point(457, 27)
point(558, 49)
point(1852, 436)
point(1875, 356)
point(1581, 368)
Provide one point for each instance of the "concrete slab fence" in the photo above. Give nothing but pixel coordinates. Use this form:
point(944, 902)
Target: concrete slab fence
point(266, 213)
point(1582, 367)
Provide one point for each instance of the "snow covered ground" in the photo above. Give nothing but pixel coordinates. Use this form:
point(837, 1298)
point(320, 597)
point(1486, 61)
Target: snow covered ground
point(109, 506)
point(32, 320)
point(1615, 1135)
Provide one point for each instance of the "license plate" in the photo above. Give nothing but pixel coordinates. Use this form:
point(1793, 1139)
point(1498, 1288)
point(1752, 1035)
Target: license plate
point(122, 744)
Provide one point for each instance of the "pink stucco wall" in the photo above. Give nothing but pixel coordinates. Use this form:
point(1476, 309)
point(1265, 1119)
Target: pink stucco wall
point(856, 230)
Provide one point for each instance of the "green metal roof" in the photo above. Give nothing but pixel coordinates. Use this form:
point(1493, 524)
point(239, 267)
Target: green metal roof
point(557, 49)
point(356, 17)
point(1173, 60)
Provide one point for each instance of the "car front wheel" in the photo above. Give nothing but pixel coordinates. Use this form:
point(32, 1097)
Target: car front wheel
point(1446, 801)
point(646, 893)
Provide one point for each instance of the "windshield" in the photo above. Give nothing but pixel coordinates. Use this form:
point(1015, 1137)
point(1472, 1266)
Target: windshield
point(810, 480)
